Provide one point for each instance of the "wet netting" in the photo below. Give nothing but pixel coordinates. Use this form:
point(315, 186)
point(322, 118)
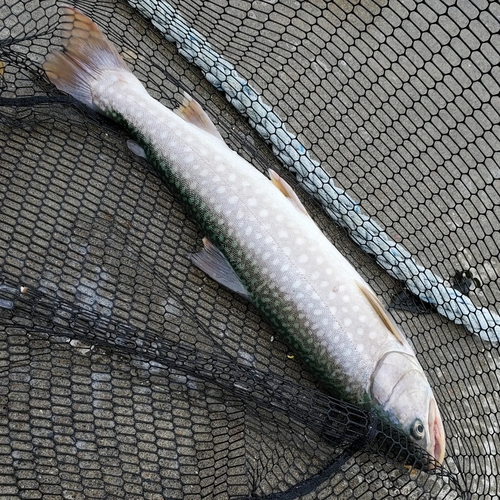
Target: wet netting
point(125, 372)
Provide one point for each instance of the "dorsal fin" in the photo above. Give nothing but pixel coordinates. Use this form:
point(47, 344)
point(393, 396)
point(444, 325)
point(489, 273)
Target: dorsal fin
point(382, 313)
point(287, 190)
point(193, 113)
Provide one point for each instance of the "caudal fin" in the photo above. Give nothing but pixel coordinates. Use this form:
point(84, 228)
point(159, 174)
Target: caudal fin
point(86, 55)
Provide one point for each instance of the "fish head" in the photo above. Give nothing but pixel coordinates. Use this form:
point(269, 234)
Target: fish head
point(401, 390)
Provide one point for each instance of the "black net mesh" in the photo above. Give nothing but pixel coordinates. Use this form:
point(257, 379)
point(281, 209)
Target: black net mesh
point(125, 372)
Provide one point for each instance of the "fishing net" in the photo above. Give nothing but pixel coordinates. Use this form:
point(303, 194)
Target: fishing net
point(126, 372)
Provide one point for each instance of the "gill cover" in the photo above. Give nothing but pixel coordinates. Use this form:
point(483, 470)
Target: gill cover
point(400, 387)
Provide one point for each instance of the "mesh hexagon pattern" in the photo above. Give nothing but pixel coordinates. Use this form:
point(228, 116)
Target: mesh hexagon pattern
point(126, 372)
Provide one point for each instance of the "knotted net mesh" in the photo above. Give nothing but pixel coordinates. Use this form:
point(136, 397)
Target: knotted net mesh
point(127, 373)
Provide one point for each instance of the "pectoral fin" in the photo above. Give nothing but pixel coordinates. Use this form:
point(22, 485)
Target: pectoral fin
point(382, 313)
point(193, 113)
point(213, 262)
point(286, 189)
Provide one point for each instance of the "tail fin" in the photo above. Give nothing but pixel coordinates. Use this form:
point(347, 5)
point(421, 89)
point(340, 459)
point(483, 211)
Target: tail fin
point(86, 54)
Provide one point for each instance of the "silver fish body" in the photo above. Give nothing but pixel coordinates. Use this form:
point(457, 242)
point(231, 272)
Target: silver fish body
point(291, 271)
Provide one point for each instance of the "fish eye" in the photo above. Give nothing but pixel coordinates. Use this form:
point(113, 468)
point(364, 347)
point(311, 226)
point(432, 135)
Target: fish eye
point(417, 429)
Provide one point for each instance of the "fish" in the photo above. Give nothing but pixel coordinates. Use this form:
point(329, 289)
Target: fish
point(260, 241)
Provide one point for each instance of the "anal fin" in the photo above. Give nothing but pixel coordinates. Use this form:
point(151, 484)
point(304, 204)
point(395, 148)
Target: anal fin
point(136, 148)
point(213, 262)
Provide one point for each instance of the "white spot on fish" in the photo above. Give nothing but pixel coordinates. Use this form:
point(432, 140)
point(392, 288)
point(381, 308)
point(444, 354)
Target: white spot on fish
point(347, 322)
point(324, 284)
point(299, 241)
point(287, 250)
point(345, 298)
point(282, 233)
point(303, 258)
point(252, 202)
point(362, 318)
point(232, 200)
point(264, 213)
point(221, 189)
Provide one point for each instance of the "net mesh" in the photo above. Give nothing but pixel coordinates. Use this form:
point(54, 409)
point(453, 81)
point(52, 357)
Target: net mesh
point(127, 373)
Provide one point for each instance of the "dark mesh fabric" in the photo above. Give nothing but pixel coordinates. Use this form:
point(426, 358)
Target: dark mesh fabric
point(127, 373)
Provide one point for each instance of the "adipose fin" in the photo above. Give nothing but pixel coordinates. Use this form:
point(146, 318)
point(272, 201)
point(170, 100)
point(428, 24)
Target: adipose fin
point(193, 113)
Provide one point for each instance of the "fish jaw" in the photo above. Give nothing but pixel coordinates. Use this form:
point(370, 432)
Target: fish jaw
point(400, 389)
point(437, 441)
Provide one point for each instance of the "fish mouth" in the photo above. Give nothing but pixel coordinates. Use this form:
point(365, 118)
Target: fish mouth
point(437, 444)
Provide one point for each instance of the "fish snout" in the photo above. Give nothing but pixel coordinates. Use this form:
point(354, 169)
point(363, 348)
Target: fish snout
point(400, 388)
point(437, 438)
